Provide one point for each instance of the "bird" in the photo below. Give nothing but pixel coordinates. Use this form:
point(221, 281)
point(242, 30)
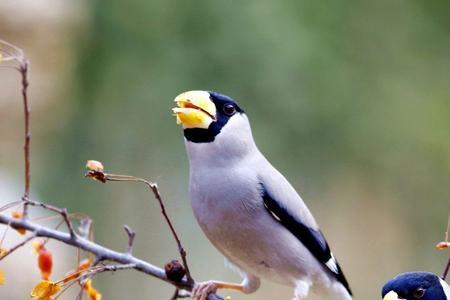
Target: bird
point(415, 286)
point(247, 208)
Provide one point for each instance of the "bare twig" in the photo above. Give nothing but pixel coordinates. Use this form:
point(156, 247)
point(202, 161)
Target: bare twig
point(175, 295)
point(131, 235)
point(10, 205)
point(61, 211)
point(26, 240)
point(23, 69)
point(447, 267)
point(181, 249)
point(111, 268)
point(15, 59)
point(64, 214)
point(154, 188)
point(15, 55)
point(99, 251)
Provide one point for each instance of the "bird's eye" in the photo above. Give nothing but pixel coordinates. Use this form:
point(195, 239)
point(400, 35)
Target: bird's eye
point(418, 293)
point(229, 109)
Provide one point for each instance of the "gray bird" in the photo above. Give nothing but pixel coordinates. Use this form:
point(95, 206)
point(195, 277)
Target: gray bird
point(247, 209)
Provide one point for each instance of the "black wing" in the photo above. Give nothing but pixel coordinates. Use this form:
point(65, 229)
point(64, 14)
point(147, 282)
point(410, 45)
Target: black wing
point(313, 239)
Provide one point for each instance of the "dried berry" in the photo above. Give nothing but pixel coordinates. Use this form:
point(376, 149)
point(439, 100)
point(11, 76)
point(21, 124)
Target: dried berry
point(174, 270)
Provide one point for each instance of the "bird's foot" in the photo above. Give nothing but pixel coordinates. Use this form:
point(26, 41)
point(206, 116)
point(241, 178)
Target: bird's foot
point(202, 289)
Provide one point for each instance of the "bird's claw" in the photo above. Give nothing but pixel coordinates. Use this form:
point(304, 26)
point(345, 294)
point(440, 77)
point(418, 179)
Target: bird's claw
point(202, 289)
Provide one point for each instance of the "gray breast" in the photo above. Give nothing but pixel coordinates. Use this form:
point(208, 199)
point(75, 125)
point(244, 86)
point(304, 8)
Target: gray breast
point(229, 209)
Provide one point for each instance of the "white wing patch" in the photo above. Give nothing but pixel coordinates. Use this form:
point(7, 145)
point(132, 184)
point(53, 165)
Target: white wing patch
point(332, 264)
point(272, 213)
point(445, 287)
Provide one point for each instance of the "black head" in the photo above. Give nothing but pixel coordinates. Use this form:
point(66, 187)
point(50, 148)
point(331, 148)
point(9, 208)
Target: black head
point(415, 286)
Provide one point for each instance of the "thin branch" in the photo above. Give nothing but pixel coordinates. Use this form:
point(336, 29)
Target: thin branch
point(447, 267)
point(64, 214)
point(23, 69)
point(17, 60)
point(99, 251)
point(26, 240)
point(61, 211)
point(154, 188)
point(131, 235)
point(9, 205)
point(183, 254)
point(112, 268)
point(16, 56)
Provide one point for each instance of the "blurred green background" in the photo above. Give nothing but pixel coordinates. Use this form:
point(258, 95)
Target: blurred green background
point(349, 99)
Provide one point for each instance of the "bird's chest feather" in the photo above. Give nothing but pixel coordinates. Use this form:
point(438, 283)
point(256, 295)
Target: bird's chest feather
point(230, 210)
point(225, 203)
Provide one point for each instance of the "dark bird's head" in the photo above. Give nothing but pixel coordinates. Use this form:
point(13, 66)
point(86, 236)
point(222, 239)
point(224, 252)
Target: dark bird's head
point(416, 286)
point(214, 126)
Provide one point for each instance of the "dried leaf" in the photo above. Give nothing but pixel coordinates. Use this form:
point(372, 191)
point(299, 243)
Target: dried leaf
point(3, 252)
point(94, 165)
point(96, 175)
point(44, 290)
point(83, 266)
point(443, 245)
point(92, 293)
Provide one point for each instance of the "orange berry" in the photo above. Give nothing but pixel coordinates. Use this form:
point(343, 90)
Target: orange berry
point(45, 262)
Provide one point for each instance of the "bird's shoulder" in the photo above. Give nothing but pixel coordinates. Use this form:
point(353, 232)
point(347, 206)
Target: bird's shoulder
point(273, 183)
point(287, 208)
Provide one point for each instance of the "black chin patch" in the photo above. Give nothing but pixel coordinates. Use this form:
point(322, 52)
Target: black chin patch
point(198, 135)
point(201, 135)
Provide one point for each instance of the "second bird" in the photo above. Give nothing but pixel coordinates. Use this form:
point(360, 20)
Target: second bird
point(247, 209)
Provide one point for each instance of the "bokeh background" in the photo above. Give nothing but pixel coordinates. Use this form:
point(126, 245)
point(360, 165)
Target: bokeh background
point(349, 99)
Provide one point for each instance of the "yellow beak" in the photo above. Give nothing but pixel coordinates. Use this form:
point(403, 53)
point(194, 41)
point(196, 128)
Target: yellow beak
point(195, 109)
point(391, 296)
